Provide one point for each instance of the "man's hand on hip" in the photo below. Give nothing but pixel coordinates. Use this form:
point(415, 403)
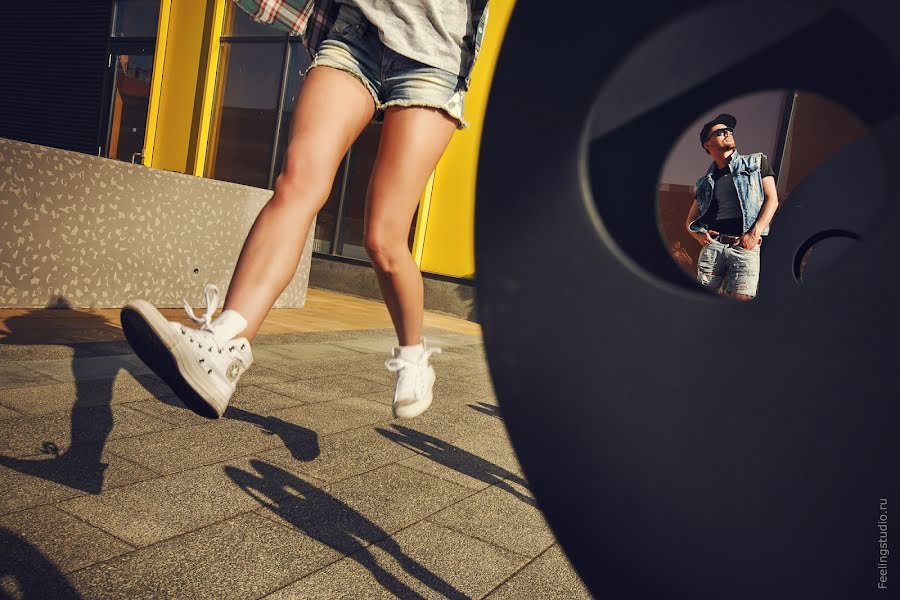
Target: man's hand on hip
point(705, 237)
point(749, 241)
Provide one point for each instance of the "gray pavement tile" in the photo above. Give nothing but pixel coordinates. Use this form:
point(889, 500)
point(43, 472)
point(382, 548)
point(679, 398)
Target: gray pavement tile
point(248, 398)
point(363, 509)
point(261, 400)
point(423, 561)
point(442, 337)
point(17, 352)
point(312, 337)
point(336, 415)
point(550, 575)
point(302, 353)
point(366, 366)
point(92, 334)
point(474, 351)
point(171, 410)
point(6, 413)
point(81, 369)
point(450, 454)
point(20, 375)
point(452, 420)
point(32, 434)
point(463, 473)
point(371, 346)
point(67, 542)
point(39, 480)
point(57, 397)
point(244, 557)
point(457, 387)
point(27, 573)
point(150, 511)
point(495, 515)
point(323, 389)
point(258, 375)
point(343, 455)
point(105, 348)
point(240, 433)
point(466, 362)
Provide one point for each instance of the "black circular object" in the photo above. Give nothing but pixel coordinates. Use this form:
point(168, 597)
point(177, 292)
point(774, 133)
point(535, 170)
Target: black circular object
point(761, 464)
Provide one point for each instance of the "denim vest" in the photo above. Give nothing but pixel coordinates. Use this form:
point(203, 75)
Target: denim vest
point(747, 181)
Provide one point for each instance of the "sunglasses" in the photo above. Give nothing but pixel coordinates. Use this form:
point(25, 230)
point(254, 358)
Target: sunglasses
point(720, 132)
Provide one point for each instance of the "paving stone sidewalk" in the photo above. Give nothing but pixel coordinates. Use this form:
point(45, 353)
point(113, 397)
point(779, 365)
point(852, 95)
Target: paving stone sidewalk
point(307, 488)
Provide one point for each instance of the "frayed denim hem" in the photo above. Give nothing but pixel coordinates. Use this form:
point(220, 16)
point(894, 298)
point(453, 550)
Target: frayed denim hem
point(446, 108)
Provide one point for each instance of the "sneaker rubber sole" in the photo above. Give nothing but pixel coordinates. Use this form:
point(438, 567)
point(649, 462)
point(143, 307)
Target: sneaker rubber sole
point(153, 340)
point(413, 409)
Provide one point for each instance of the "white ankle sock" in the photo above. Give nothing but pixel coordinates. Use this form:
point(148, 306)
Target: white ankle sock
point(411, 352)
point(228, 325)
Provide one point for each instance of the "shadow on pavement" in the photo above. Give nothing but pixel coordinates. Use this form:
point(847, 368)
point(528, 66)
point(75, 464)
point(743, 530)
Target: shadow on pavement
point(331, 521)
point(26, 573)
point(488, 409)
point(456, 458)
point(79, 466)
point(302, 443)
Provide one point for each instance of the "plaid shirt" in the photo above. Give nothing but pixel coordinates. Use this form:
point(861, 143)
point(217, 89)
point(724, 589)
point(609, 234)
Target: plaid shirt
point(312, 20)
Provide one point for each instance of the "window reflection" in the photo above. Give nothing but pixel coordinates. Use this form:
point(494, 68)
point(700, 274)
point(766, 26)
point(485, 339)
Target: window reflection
point(135, 18)
point(362, 158)
point(243, 133)
point(130, 102)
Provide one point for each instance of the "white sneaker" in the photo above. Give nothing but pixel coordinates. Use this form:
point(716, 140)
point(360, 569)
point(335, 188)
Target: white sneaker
point(199, 366)
point(415, 379)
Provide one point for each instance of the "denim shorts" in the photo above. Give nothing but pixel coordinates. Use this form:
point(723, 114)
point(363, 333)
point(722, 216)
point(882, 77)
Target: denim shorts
point(353, 46)
point(737, 268)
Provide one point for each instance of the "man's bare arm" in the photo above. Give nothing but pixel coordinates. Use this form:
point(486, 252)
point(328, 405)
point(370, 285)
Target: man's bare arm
point(770, 205)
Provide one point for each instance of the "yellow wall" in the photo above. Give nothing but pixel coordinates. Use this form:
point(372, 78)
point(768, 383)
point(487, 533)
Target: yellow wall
point(449, 238)
point(186, 54)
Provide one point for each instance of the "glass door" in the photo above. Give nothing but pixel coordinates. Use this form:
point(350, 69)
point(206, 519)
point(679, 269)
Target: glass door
point(129, 102)
point(132, 44)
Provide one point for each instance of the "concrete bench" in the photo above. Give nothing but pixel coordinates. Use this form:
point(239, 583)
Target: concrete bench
point(95, 232)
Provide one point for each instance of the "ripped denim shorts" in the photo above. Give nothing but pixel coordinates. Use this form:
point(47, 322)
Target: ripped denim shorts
point(353, 46)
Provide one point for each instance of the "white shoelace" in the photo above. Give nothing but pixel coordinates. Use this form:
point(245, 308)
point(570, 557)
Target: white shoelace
point(407, 385)
point(212, 302)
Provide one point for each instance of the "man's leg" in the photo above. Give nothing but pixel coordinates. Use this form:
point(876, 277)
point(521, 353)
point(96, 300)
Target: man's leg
point(743, 273)
point(332, 110)
point(711, 266)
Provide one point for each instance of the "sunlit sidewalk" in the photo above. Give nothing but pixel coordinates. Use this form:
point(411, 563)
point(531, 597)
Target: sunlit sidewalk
point(307, 488)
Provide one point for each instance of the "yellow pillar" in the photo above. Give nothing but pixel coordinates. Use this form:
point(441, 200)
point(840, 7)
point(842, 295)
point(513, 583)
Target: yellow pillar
point(187, 50)
point(449, 226)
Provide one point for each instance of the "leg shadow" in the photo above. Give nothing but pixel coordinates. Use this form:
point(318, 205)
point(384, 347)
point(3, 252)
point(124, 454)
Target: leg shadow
point(302, 443)
point(79, 466)
point(26, 573)
point(487, 409)
point(327, 519)
point(457, 459)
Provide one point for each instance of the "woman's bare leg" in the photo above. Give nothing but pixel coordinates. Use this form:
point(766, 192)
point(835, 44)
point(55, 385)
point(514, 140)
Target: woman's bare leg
point(412, 141)
point(332, 110)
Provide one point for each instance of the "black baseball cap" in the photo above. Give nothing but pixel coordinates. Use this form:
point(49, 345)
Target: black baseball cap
point(723, 119)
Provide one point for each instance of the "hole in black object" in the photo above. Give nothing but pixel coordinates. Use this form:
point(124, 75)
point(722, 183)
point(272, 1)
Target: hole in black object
point(627, 147)
point(805, 252)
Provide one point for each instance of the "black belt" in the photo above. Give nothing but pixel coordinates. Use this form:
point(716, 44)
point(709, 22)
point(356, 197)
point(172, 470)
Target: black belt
point(728, 239)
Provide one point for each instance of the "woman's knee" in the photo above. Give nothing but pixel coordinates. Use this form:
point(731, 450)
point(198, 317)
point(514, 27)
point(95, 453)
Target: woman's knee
point(387, 252)
point(304, 182)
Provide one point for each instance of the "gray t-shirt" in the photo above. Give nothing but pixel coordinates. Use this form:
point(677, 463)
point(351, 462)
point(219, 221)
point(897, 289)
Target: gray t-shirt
point(435, 32)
